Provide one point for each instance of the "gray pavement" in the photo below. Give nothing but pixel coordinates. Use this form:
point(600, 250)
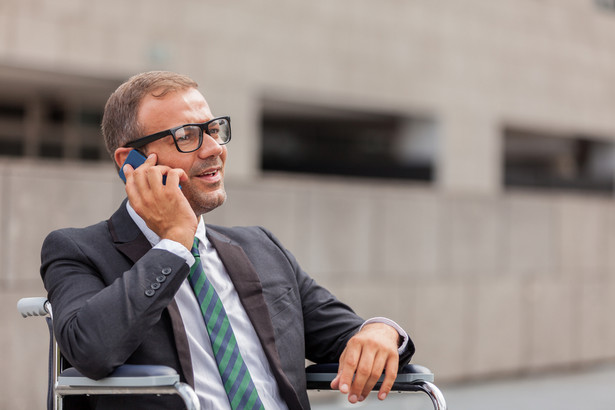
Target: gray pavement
point(591, 388)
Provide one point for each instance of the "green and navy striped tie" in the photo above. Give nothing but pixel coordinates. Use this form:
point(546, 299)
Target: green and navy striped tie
point(236, 378)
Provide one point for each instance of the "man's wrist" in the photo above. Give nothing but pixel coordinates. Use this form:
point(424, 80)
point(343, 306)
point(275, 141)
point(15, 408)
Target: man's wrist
point(177, 249)
point(403, 335)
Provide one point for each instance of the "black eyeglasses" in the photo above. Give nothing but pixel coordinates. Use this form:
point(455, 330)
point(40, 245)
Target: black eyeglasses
point(189, 137)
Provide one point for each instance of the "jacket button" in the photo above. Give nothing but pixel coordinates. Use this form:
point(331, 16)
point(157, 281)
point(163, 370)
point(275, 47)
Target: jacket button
point(161, 278)
point(155, 285)
point(166, 271)
point(150, 292)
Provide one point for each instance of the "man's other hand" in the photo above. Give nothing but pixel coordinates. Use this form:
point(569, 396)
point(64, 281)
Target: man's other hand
point(367, 354)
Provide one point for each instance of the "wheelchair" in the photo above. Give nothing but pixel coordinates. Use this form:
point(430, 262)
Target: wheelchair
point(156, 379)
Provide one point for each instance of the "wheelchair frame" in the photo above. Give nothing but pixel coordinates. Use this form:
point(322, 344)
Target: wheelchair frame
point(157, 379)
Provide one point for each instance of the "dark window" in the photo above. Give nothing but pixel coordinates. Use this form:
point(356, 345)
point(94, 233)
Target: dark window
point(317, 140)
point(50, 150)
point(56, 113)
point(53, 127)
point(90, 153)
point(92, 118)
point(11, 148)
point(11, 111)
point(550, 161)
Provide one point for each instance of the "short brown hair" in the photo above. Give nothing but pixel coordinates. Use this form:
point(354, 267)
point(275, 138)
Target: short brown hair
point(119, 124)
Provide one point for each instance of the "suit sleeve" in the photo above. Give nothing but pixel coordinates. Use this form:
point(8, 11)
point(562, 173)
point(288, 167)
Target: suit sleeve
point(98, 324)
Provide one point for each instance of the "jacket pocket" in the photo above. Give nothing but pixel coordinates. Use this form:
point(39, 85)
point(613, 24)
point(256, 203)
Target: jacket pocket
point(282, 302)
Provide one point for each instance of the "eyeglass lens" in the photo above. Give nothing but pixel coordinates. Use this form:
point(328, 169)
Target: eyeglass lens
point(189, 137)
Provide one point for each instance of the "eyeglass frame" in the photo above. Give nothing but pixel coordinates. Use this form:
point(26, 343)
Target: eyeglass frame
point(141, 142)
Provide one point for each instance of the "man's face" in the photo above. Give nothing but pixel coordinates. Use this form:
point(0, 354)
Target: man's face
point(205, 166)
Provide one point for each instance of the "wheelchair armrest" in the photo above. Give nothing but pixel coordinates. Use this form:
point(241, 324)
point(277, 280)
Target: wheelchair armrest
point(129, 379)
point(410, 378)
point(126, 379)
point(128, 375)
point(319, 376)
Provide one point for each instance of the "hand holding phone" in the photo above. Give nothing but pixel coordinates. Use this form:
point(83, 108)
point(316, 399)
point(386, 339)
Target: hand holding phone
point(136, 159)
point(165, 211)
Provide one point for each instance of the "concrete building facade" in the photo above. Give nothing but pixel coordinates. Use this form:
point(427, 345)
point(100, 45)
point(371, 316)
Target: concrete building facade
point(490, 277)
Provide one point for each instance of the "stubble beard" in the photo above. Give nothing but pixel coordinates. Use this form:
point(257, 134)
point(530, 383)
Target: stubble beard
point(205, 202)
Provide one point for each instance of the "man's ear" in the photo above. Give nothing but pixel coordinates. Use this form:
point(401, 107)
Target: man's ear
point(120, 155)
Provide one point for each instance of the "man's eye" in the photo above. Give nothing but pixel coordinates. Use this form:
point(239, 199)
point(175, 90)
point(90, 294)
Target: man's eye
point(187, 134)
point(213, 129)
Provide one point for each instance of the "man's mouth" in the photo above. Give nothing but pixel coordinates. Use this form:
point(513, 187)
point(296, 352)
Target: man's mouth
point(209, 173)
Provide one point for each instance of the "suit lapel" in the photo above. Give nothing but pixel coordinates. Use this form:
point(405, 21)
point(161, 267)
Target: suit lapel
point(127, 236)
point(181, 343)
point(131, 242)
point(250, 291)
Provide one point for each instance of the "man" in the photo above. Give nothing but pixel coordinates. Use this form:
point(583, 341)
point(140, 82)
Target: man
point(139, 288)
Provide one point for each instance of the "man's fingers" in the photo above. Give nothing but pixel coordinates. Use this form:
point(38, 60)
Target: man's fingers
point(358, 370)
point(389, 378)
point(335, 383)
point(128, 170)
point(347, 367)
point(175, 177)
point(145, 189)
point(132, 174)
point(375, 374)
point(366, 376)
point(133, 184)
point(154, 178)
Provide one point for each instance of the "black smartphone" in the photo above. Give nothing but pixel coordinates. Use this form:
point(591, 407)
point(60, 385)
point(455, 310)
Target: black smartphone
point(135, 158)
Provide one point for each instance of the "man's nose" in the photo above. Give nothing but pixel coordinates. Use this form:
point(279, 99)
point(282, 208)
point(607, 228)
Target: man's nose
point(209, 147)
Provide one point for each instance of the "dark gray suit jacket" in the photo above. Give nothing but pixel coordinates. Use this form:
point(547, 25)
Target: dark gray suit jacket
point(106, 313)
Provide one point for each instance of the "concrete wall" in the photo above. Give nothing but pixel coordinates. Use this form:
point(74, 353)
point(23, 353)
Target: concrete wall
point(486, 281)
point(486, 285)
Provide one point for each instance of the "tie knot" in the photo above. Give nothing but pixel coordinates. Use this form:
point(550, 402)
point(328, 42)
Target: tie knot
point(195, 248)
